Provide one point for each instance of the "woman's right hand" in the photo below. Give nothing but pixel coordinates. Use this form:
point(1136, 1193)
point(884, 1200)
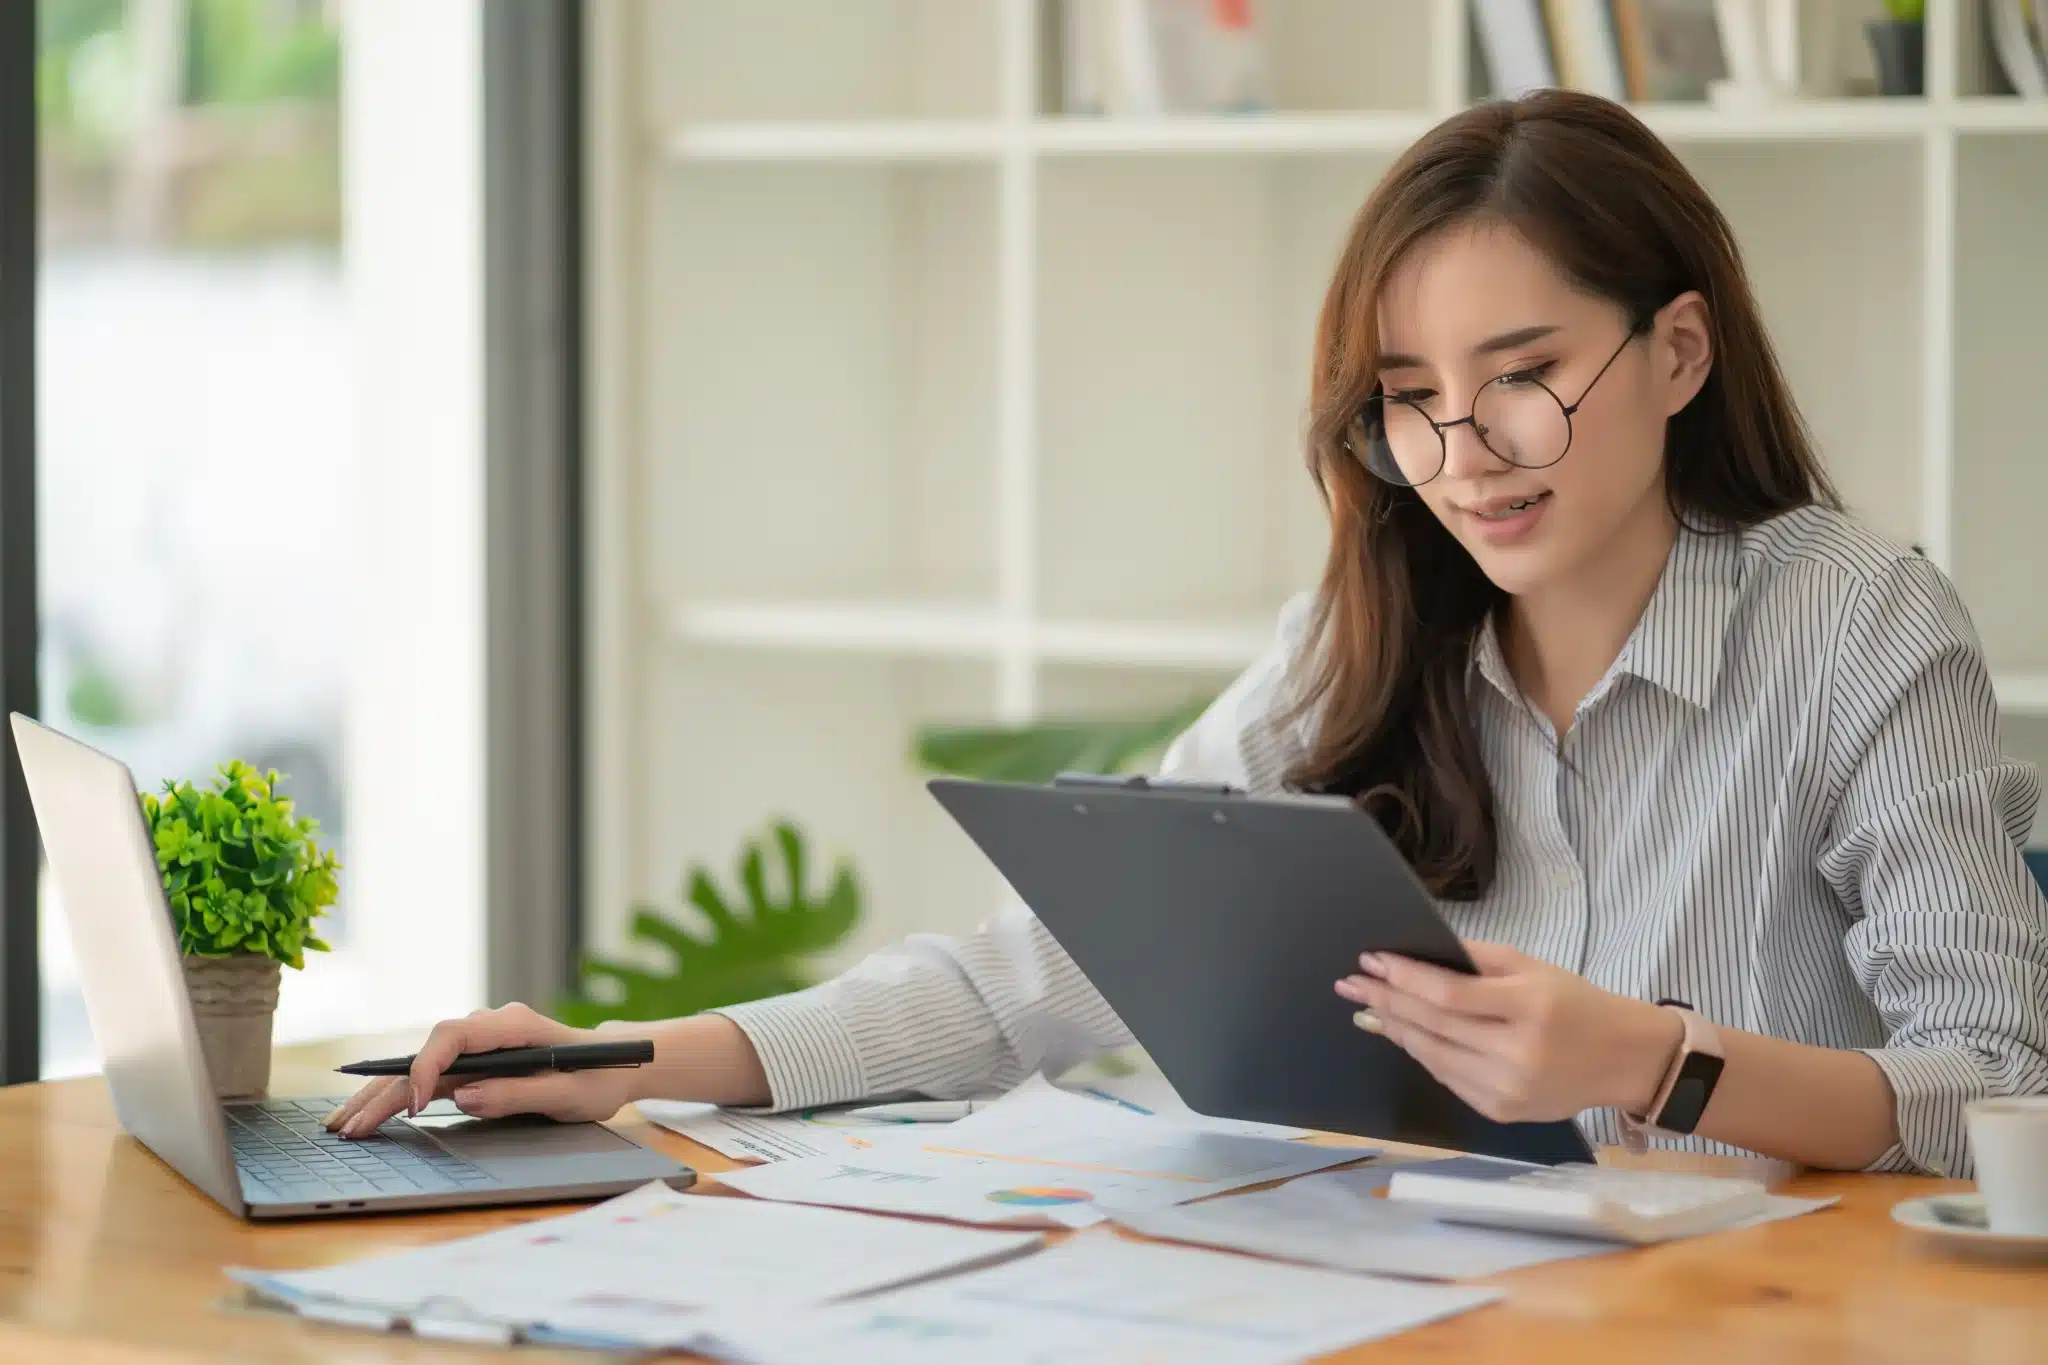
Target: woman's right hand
point(570, 1096)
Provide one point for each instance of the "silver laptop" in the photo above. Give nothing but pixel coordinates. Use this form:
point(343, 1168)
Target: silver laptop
point(271, 1159)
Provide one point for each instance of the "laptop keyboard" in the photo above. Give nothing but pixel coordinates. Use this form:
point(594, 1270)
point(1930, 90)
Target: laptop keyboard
point(285, 1154)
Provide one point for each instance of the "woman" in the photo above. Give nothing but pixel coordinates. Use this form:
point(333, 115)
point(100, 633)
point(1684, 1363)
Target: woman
point(1649, 715)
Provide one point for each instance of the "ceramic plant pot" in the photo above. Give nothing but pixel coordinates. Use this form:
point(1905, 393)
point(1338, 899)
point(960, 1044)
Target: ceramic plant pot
point(1900, 50)
point(233, 1001)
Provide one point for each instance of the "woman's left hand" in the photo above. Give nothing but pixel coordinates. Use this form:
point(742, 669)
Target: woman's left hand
point(1522, 1041)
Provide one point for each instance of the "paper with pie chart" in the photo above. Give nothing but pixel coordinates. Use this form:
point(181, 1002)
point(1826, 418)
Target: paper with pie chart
point(1040, 1157)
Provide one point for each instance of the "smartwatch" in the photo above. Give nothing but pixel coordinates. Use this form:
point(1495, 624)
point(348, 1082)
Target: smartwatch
point(1688, 1083)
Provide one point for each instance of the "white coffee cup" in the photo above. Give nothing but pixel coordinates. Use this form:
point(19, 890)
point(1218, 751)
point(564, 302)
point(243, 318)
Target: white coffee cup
point(2009, 1139)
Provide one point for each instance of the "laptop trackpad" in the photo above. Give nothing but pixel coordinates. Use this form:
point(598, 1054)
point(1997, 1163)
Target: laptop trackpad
point(490, 1141)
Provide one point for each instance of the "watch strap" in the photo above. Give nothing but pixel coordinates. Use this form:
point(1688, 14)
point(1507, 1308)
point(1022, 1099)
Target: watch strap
point(1699, 1037)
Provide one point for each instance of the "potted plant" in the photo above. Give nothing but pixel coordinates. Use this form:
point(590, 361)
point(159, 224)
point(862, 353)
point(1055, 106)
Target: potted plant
point(246, 879)
point(1899, 46)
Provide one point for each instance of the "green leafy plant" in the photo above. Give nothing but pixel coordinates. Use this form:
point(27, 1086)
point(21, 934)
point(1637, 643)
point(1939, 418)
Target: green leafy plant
point(244, 874)
point(1041, 752)
point(748, 954)
point(1906, 11)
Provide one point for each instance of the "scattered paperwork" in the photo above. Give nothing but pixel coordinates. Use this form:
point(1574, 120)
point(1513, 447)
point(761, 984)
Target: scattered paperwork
point(792, 1136)
point(1039, 1157)
point(637, 1271)
point(774, 1284)
point(832, 1130)
point(1101, 1300)
point(1337, 1219)
point(1147, 1092)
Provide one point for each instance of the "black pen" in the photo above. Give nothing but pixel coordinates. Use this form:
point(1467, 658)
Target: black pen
point(522, 1061)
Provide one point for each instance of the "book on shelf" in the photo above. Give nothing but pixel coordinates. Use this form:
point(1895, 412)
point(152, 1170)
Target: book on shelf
point(1144, 58)
point(1670, 49)
point(1516, 49)
point(2037, 27)
point(1638, 50)
point(1582, 38)
point(1760, 47)
point(1632, 45)
point(2014, 46)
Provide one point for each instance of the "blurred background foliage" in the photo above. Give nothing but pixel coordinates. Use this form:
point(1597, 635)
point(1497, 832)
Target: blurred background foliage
point(1041, 752)
point(204, 124)
point(764, 939)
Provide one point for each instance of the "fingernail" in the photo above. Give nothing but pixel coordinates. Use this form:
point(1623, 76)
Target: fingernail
point(418, 1099)
point(466, 1095)
point(332, 1118)
point(1372, 962)
point(348, 1130)
point(1369, 1022)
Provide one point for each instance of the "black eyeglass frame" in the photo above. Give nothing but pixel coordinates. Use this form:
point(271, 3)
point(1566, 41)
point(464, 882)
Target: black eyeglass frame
point(1641, 327)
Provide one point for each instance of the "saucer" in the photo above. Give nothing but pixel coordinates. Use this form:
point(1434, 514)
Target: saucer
point(1957, 1220)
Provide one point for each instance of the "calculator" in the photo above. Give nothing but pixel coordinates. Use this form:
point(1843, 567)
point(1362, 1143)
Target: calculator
point(1579, 1200)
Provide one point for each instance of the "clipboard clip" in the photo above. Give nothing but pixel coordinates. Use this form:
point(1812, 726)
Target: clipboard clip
point(1138, 782)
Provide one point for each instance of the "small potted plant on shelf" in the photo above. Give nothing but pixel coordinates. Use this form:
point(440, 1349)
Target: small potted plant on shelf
point(246, 879)
point(1898, 44)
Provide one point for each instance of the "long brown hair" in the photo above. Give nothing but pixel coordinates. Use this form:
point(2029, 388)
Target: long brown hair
point(1401, 601)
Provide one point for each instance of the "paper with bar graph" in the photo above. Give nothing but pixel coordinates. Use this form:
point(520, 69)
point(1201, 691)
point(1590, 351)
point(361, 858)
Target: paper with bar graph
point(1040, 1157)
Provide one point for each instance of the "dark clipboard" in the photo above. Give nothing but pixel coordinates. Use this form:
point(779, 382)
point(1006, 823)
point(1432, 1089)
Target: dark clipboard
point(1215, 924)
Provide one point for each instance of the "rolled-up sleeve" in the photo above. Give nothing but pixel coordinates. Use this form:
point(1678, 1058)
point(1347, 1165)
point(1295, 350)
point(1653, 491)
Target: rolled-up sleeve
point(1950, 939)
point(952, 1017)
point(933, 1015)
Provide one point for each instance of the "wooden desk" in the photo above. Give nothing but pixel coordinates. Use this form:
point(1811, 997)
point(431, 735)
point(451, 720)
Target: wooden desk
point(107, 1257)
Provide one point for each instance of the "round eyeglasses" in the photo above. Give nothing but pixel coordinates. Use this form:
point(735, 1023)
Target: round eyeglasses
point(1514, 415)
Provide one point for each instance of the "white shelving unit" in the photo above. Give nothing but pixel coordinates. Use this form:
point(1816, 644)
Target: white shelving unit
point(916, 400)
point(1307, 134)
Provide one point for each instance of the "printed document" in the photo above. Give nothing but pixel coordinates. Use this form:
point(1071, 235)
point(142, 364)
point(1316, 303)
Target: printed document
point(832, 1130)
point(1148, 1092)
point(1040, 1157)
point(1337, 1219)
point(742, 1136)
point(635, 1271)
point(1100, 1300)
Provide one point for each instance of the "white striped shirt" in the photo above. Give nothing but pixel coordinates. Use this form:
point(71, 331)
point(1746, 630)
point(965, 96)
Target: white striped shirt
point(1785, 803)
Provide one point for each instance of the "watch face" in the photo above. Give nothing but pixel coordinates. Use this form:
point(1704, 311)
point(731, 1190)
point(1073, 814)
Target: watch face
point(1690, 1093)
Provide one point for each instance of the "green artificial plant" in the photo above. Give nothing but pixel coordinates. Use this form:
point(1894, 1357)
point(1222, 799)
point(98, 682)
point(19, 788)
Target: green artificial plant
point(244, 874)
point(1042, 751)
point(748, 954)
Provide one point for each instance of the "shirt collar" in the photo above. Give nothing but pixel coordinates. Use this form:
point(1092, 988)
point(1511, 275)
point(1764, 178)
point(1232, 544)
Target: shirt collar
point(1678, 643)
point(1680, 640)
point(1491, 662)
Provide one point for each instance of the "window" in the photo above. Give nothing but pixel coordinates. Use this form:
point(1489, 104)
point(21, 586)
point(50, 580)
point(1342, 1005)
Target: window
point(259, 508)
